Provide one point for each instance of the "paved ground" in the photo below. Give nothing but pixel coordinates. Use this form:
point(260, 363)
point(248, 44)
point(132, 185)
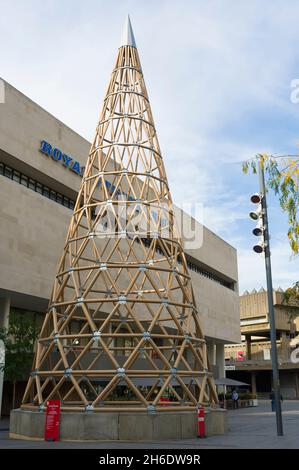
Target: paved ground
point(250, 428)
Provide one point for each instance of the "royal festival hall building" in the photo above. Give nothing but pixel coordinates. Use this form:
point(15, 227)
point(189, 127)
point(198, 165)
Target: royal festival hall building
point(41, 163)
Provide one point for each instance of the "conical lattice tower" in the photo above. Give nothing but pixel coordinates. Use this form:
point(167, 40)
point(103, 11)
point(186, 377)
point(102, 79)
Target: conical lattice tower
point(122, 329)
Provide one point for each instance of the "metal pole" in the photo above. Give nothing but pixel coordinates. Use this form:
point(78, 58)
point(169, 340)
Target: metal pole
point(275, 370)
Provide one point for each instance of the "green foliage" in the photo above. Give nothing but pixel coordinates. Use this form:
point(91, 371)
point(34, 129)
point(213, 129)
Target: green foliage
point(247, 396)
point(291, 295)
point(18, 340)
point(282, 176)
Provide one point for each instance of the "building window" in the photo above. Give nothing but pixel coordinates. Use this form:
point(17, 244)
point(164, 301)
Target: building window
point(18, 314)
point(16, 176)
point(46, 191)
point(24, 180)
point(53, 195)
point(39, 188)
point(31, 184)
point(59, 198)
point(8, 172)
point(34, 185)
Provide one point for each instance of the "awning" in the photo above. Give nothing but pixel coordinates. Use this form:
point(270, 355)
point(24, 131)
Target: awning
point(229, 382)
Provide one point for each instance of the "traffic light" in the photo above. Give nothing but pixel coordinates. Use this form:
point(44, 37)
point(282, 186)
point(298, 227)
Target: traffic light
point(257, 215)
point(256, 198)
point(259, 247)
point(258, 231)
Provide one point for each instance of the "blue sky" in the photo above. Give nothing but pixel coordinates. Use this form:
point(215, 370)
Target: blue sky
point(218, 75)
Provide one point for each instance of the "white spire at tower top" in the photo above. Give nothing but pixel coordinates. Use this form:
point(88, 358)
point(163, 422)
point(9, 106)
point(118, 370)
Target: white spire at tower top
point(127, 38)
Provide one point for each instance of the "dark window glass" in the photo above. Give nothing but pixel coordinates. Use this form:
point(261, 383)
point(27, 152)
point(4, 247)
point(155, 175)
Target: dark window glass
point(16, 176)
point(39, 188)
point(24, 180)
point(59, 198)
point(46, 191)
point(66, 201)
point(1, 169)
point(53, 195)
point(32, 184)
point(8, 172)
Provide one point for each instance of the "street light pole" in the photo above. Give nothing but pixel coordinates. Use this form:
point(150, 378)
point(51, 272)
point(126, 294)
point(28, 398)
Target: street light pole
point(267, 252)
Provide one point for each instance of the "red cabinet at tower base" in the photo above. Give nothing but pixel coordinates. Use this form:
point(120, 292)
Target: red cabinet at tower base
point(52, 420)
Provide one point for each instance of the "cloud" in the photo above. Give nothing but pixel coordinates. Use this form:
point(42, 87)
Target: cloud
point(252, 268)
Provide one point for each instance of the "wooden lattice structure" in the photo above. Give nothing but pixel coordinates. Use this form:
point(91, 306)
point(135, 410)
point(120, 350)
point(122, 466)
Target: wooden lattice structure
point(122, 328)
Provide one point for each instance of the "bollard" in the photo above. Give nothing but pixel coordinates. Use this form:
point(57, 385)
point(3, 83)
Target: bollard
point(201, 422)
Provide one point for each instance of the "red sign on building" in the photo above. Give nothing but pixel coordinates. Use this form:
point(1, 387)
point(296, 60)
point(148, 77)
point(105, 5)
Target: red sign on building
point(52, 420)
point(241, 356)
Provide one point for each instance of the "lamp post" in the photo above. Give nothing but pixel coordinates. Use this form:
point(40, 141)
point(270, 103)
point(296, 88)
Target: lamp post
point(264, 246)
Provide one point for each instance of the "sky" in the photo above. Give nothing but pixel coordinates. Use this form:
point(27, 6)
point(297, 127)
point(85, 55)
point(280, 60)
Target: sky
point(218, 75)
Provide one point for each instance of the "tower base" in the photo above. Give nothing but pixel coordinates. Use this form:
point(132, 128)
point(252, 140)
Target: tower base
point(118, 426)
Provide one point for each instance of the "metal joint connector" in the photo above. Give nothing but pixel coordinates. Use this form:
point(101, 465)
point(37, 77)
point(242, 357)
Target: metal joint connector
point(96, 335)
point(142, 267)
point(122, 299)
point(151, 409)
point(121, 372)
point(187, 338)
point(55, 339)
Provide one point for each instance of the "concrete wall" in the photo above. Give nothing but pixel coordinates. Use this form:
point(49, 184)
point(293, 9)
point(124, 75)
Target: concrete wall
point(255, 317)
point(118, 426)
point(32, 233)
point(24, 124)
point(218, 308)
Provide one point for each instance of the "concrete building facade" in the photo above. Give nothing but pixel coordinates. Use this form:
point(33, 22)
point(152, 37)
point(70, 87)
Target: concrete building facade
point(250, 360)
point(41, 163)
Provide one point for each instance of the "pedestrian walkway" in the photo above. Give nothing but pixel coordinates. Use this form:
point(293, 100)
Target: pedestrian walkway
point(250, 428)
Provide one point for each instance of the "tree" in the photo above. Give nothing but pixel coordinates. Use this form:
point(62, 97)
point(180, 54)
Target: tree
point(290, 298)
point(291, 295)
point(282, 176)
point(18, 341)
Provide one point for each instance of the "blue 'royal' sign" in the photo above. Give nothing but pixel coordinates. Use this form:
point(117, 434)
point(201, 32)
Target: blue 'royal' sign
point(58, 156)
